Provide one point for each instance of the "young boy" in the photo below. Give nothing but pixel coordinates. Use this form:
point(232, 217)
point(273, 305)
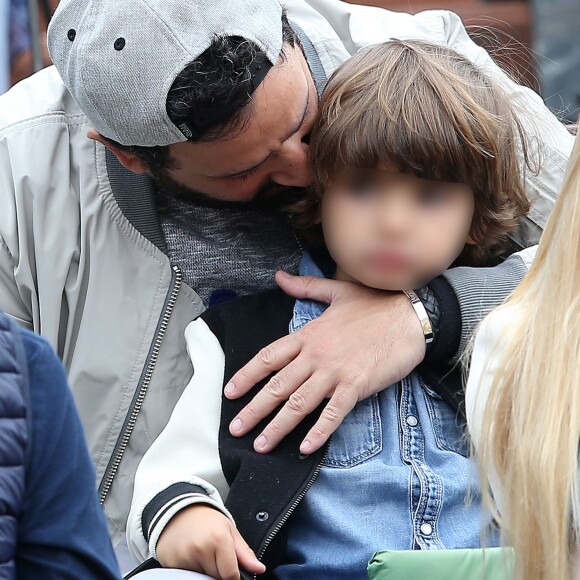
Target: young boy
point(414, 155)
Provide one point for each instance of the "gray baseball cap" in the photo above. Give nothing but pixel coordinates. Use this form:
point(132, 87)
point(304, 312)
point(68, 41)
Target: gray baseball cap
point(119, 58)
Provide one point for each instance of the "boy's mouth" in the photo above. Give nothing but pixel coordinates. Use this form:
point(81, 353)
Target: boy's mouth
point(389, 261)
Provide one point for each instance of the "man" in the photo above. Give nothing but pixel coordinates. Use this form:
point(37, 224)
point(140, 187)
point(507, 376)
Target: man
point(104, 239)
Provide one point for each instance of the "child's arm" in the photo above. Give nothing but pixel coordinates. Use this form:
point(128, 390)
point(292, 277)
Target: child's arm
point(202, 539)
point(182, 467)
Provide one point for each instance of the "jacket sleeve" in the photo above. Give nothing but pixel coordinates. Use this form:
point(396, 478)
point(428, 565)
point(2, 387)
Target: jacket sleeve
point(12, 300)
point(478, 290)
point(549, 142)
point(46, 165)
point(183, 466)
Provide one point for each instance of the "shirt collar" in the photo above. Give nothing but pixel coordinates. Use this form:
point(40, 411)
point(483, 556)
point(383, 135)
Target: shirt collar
point(306, 310)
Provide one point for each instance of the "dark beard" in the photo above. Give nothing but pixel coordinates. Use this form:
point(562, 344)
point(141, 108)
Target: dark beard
point(269, 196)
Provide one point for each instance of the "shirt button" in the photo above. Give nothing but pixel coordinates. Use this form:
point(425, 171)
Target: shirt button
point(426, 529)
point(412, 421)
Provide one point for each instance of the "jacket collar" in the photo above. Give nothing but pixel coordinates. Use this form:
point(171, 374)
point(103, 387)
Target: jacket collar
point(135, 196)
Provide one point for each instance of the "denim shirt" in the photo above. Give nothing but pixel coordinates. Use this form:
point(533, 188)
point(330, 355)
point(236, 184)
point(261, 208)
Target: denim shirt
point(396, 476)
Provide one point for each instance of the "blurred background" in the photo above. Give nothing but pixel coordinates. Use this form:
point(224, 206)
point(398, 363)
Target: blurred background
point(538, 41)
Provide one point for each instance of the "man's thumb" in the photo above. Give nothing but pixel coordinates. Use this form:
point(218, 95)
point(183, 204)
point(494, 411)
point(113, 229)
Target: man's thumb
point(319, 289)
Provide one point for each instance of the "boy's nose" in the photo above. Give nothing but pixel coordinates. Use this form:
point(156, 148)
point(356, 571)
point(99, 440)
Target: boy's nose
point(393, 219)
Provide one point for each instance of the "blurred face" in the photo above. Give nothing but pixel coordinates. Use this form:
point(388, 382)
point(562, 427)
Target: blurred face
point(394, 231)
point(270, 150)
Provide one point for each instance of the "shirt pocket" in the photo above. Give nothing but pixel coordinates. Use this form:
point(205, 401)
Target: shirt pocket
point(358, 438)
point(448, 428)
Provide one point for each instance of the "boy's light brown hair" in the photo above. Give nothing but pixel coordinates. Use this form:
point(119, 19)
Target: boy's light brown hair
point(430, 112)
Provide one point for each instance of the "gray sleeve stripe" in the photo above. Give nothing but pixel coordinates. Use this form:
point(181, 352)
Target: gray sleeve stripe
point(480, 290)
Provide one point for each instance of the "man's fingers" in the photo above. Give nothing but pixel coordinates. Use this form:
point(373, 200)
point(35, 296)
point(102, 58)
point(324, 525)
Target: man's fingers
point(283, 351)
point(338, 407)
point(270, 359)
point(246, 556)
point(272, 395)
point(363, 342)
point(300, 403)
point(320, 289)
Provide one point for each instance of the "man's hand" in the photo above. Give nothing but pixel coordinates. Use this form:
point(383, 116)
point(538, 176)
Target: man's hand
point(366, 340)
point(202, 539)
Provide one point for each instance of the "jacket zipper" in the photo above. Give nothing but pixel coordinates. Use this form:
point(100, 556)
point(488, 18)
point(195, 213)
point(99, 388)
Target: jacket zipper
point(292, 507)
point(137, 403)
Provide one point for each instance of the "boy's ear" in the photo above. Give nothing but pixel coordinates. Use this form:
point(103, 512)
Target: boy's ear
point(127, 159)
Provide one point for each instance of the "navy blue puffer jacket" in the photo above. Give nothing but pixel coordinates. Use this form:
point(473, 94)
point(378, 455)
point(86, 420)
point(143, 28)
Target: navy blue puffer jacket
point(13, 441)
point(51, 524)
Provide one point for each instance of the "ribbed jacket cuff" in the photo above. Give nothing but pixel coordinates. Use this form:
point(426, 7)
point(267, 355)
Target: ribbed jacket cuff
point(480, 290)
point(167, 503)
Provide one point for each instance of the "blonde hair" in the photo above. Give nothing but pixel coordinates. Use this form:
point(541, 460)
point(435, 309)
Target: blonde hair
point(430, 112)
point(531, 420)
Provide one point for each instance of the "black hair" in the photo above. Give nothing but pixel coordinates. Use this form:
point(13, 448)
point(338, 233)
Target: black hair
point(221, 75)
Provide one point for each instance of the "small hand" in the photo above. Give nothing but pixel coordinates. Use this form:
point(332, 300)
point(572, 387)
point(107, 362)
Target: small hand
point(366, 340)
point(202, 539)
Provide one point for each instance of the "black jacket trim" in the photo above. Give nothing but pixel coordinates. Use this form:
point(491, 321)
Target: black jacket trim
point(173, 494)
